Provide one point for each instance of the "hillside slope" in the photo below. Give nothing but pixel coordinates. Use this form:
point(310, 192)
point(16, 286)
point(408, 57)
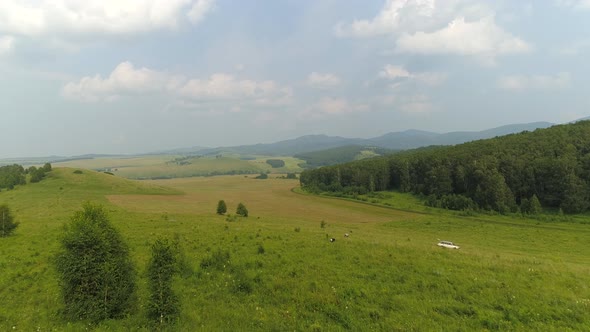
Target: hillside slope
point(499, 174)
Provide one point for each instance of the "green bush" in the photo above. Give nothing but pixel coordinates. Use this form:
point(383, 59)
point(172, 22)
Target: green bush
point(242, 210)
point(221, 207)
point(163, 305)
point(7, 223)
point(96, 275)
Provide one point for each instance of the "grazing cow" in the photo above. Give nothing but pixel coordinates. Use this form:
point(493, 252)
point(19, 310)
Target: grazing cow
point(346, 235)
point(332, 239)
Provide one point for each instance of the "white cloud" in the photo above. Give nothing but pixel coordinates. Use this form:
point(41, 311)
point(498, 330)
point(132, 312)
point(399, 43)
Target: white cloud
point(225, 87)
point(126, 80)
point(481, 37)
point(200, 9)
point(89, 20)
point(323, 80)
point(393, 17)
point(392, 72)
point(6, 44)
point(540, 82)
point(576, 4)
point(458, 27)
point(399, 73)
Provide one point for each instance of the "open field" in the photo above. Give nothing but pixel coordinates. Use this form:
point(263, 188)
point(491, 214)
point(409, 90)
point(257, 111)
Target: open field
point(284, 274)
point(167, 166)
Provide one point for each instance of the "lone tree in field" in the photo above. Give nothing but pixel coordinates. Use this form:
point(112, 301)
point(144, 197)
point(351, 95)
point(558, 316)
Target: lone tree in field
point(221, 207)
point(163, 305)
point(241, 210)
point(95, 271)
point(7, 223)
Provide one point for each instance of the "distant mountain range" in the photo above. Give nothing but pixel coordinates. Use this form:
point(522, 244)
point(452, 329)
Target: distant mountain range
point(403, 140)
point(409, 139)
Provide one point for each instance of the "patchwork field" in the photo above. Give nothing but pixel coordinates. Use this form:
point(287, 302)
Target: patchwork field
point(282, 272)
point(167, 166)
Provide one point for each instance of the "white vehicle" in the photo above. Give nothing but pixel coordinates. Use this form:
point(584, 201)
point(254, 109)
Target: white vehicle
point(447, 244)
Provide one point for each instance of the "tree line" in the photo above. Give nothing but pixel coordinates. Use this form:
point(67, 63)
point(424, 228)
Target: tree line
point(505, 174)
point(14, 175)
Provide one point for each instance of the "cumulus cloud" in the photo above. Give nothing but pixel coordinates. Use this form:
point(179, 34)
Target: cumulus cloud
point(76, 20)
point(482, 37)
point(458, 27)
point(323, 80)
point(6, 44)
point(127, 80)
point(395, 15)
point(399, 73)
point(225, 87)
point(540, 82)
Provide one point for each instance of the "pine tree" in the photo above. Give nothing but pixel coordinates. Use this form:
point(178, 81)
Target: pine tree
point(221, 207)
point(242, 210)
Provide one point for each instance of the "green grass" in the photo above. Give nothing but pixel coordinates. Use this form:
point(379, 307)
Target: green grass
point(510, 273)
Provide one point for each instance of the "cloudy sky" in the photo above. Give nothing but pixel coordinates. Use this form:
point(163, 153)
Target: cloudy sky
point(130, 76)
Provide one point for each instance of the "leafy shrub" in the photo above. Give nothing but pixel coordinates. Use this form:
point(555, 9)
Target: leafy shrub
point(262, 176)
point(242, 210)
point(95, 271)
point(163, 305)
point(7, 223)
point(77, 171)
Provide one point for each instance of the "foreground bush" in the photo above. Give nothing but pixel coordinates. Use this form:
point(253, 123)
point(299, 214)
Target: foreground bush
point(94, 268)
point(163, 305)
point(7, 223)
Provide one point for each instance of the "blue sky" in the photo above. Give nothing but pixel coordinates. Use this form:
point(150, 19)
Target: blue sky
point(131, 76)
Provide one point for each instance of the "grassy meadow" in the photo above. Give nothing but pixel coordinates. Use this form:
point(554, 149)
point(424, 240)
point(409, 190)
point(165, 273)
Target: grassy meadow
point(277, 271)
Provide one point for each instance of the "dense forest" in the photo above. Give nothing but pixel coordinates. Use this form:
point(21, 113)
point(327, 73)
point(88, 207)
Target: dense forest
point(339, 155)
point(505, 174)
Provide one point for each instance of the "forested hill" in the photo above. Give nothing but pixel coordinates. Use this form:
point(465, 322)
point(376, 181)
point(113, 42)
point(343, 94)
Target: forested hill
point(506, 173)
point(340, 155)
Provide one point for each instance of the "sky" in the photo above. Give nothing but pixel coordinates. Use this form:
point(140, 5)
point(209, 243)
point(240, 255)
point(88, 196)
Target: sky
point(136, 76)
